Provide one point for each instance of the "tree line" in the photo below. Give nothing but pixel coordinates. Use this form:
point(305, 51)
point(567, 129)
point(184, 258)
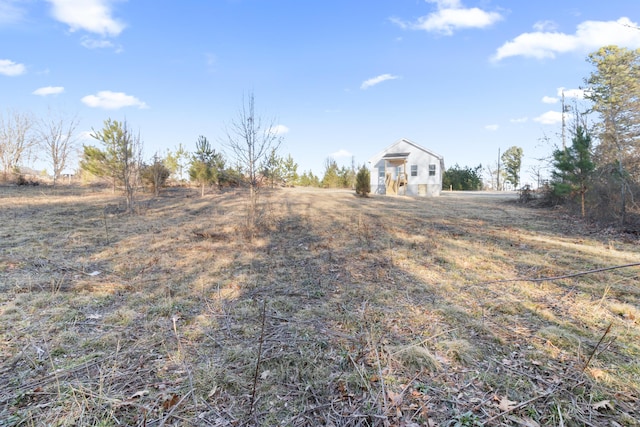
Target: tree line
point(253, 156)
point(598, 173)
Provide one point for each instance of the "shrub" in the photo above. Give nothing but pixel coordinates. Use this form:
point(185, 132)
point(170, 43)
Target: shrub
point(155, 175)
point(363, 182)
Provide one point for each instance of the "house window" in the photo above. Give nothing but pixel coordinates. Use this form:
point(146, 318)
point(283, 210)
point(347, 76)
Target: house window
point(414, 170)
point(381, 172)
point(432, 170)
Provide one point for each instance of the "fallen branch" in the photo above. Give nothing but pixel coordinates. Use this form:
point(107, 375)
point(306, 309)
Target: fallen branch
point(518, 406)
point(596, 347)
point(564, 276)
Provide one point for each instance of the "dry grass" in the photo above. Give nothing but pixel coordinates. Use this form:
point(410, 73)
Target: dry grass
point(377, 312)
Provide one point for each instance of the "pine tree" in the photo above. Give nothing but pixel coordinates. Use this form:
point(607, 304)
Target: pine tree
point(205, 165)
point(614, 89)
point(363, 182)
point(573, 168)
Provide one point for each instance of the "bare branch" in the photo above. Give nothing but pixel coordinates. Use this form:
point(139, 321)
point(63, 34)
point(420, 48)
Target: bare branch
point(56, 137)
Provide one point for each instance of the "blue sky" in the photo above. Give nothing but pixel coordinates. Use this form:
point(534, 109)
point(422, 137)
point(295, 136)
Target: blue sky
point(340, 78)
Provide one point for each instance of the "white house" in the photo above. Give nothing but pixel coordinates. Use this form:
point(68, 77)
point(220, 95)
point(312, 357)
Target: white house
point(406, 168)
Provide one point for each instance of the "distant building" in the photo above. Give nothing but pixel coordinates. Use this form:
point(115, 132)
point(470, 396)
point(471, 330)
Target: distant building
point(405, 168)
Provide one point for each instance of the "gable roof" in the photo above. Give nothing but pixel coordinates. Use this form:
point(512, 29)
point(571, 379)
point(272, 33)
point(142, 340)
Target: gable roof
point(388, 153)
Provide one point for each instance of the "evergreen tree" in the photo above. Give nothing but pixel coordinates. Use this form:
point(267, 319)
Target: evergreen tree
point(614, 89)
point(205, 164)
point(573, 167)
point(363, 182)
point(155, 175)
point(512, 160)
point(106, 162)
point(308, 179)
point(462, 179)
point(119, 161)
point(331, 178)
point(176, 161)
point(290, 171)
point(273, 168)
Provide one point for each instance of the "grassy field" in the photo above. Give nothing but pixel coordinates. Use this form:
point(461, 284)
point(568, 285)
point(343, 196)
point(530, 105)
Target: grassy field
point(341, 311)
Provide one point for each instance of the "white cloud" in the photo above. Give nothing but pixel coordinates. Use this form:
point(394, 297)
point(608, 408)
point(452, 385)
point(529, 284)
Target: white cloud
point(549, 118)
point(90, 43)
point(491, 127)
point(519, 120)
point(10, 68)
point(48, 90)
point(451, 16)
point(545, 26)
point(377, 80)
point(571, 93)
point(340, 153)
point(93, 16)
point(279, 130)
point(112, 100)
point(589, 36)
point(549, 100)
point(85, 135)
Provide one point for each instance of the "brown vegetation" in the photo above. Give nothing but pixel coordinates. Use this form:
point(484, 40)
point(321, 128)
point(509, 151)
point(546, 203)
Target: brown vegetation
point(341, 311)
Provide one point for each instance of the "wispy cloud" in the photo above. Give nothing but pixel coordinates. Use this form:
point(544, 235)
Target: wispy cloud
point(492, 128)
point(48, 90)
point(94, 16)
point(91, 43)
point(10, 13)
point(519, 120)
point(279, 130)
point(571, 93)
point(451, 16)
point(550, 100)
point(340, 153)
point(10, 68)
point(112, 100)
point(589, 35)
point(377, 80)
point(545, 26)
point(549, 118)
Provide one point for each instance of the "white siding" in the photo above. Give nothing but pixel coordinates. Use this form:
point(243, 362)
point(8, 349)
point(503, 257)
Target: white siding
point(421, 185)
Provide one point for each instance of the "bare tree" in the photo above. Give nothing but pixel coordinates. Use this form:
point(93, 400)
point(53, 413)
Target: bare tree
point(251, 141)
point(16, 139)
point(56, 137)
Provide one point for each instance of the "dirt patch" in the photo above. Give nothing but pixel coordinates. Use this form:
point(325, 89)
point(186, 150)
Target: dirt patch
point(341, 311)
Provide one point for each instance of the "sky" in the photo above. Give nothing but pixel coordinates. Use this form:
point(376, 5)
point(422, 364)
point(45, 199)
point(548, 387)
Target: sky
point(339, 79)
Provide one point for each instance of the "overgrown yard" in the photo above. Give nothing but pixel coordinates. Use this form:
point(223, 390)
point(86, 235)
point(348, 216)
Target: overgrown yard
point(341, 311)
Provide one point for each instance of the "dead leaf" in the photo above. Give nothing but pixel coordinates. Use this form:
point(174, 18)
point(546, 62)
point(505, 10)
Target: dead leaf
point(394, 398)
point(265, 374)
point(507, 405)
point(213, 391)
point(170, 401)
point(602, 405)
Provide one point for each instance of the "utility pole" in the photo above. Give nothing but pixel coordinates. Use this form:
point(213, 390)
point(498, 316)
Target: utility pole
point(498, 173)
point(564, 145)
